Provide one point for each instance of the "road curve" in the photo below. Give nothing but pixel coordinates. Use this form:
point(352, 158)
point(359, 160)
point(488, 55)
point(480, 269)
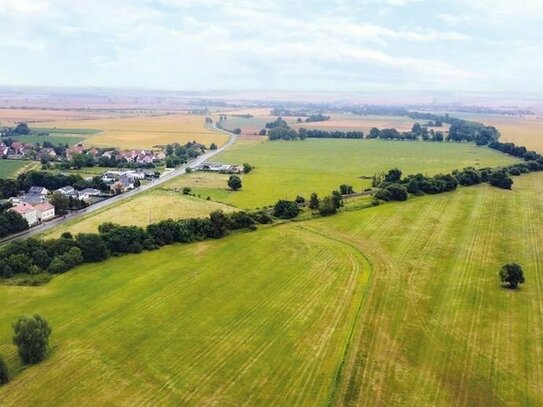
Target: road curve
point(117, 198)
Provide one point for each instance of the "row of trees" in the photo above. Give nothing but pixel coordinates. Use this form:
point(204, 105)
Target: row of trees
point(33, 256)
point(395, 188)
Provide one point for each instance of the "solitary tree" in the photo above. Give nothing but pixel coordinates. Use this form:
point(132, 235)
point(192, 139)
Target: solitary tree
point(234, 182)
point(512, 274)
point(4, 372)
point(32, 338)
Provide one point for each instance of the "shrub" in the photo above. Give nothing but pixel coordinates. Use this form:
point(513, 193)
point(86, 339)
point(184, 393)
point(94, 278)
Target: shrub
point(4, 372)
point(31, 335)
point(284, 209)
point(327, 207)
point(501, 180)
point(393, 192)
point(186, 190)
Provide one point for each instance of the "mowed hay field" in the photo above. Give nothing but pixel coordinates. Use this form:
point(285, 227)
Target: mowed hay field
point(436, 327)
point(351, 122)
point(144, 132)
point(225, 322)
point(285, 169)
point(148, 207)
point(10, 168)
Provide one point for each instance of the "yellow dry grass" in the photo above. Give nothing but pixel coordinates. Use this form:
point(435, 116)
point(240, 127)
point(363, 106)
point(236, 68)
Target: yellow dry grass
point(144, 132)
point(145, 208)
point(526, 131)
point(9, 117)
point(349, 122)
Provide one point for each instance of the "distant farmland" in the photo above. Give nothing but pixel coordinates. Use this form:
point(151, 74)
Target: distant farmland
point(144, 132)
point(286, 169)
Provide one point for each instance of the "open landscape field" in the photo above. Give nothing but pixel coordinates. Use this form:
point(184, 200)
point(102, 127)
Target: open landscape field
point(55, 138)
point(435, 318)
point(10, 117)
point(284, 326)
point(351, 122)
point(148, 207)
point(10, 168)
point(525, 130)
point(143, 132)
point(221, 322)
point(287, 169)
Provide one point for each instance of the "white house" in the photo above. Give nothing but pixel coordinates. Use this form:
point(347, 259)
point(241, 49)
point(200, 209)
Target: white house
point(28, 212)
point(38, 191)
point(45, 211)
point(87, 193)
point(68, 191)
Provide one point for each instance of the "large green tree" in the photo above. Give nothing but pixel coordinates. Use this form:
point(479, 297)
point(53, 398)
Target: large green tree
point(31, 335)
point(512, 274)
point(234, 182)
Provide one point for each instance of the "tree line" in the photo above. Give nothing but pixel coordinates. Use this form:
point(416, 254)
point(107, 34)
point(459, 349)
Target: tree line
point(34, 256)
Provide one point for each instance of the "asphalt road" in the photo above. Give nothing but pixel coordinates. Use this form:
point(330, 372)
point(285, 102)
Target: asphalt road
point(117, 198)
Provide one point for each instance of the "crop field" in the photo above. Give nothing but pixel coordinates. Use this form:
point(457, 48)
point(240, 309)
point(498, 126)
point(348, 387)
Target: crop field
point(350, 122)
point(287, 169)
point(302, 324)
point(148, 207)
point(144, 132)
point(10, 168)
point(436, 327)
point(55, 138)
point(225, 322)
point(10, 117)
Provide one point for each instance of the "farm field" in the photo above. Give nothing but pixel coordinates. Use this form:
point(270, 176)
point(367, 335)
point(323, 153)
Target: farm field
point(145, 131)
point(10, 117)
point(221, 322)
point(522, 130)
point(148, 207)
point(350, 122)
point(249, 328)
point(287, 169)
point(436, 327)
point(10, 168)
point(55, 138)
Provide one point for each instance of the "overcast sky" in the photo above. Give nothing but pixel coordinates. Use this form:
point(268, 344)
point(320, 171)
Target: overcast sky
point(342, 45)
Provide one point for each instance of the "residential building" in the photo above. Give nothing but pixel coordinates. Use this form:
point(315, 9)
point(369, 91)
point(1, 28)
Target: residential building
point(45, 211)
point(28, 212)
point(38, 191)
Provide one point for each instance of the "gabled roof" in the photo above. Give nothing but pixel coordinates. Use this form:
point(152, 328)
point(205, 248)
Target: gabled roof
point(23, 208)
point(46, 206)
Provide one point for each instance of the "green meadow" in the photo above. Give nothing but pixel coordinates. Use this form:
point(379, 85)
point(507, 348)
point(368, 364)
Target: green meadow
point(285, 169)
point(394, 305)
point(10, 168)
point(220, 322)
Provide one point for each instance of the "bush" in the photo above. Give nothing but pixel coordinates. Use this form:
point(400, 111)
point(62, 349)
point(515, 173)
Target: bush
point(93, 247)
point(501, 180)
point(393, 192)
point(4, 372)
point(284, 209)
point(187, 190)
point(32, 338)
point(327, 207)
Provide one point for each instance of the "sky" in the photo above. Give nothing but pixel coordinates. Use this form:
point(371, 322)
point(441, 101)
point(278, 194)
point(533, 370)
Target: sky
point(333, 45)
